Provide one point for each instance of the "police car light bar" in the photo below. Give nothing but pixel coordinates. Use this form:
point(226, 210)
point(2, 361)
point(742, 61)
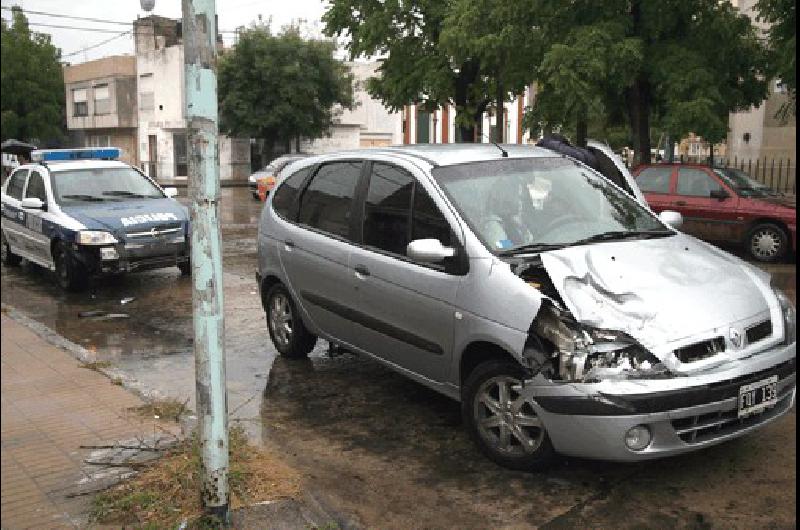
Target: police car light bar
point(63, 155)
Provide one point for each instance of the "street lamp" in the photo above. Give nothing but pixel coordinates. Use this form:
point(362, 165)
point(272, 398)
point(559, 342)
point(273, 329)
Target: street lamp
point(148, 5)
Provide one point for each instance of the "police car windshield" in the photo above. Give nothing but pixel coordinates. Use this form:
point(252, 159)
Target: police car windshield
point(102, 184)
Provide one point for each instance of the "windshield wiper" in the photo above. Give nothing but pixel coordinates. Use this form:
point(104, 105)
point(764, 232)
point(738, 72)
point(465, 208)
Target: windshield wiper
point(125, 193)
point(533, 247)
point(83, 197)
point(618, 235)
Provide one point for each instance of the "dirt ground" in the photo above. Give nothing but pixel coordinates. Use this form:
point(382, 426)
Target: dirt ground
point(387, 452)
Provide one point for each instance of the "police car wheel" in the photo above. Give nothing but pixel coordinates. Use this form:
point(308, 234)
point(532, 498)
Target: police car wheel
point(8, 257)
point(69, 274)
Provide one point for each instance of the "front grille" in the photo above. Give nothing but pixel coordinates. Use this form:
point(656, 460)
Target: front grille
point(700, 350)
point(155, 231)
point(704, 427)
point(759, 332)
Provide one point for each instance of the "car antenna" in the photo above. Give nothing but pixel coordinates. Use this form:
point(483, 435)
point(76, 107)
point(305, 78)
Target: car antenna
point(505, 153)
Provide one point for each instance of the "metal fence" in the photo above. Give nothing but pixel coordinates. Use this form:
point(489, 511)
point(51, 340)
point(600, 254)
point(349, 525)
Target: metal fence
point(779, 174)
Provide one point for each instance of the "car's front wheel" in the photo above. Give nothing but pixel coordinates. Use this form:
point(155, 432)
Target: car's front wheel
point(767, 242)
point(503, 423)
point(69, 273)
point(286, 328)
point(8, 257)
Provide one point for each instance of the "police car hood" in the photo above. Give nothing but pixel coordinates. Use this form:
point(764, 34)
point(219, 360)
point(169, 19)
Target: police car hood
point(128, 216)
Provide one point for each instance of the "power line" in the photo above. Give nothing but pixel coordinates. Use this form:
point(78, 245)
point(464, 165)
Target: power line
point(45, 14)
point(93, 46)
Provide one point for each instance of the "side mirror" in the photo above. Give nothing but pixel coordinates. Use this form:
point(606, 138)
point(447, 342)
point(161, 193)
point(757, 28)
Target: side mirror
point(171, 192)
point(671, 218)
point(719, 193)
point(33, 203)
point(429, 251)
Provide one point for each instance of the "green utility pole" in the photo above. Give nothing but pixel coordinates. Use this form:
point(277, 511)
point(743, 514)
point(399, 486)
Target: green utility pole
point(200, 77)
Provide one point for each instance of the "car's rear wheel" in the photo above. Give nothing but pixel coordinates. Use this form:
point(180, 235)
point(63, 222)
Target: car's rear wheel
point(286, 328)
point(69, 273)
point(502, 423)
point(8, 257)
point(767, 242)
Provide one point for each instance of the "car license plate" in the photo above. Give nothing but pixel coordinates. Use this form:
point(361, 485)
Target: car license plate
point(758, 396)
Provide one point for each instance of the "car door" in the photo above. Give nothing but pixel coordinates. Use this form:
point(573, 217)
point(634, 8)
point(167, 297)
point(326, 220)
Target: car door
point(704, 216)
point(315, 251)
point(13, 217)
point(405, 311)
point(655, 182)
point(37, 241)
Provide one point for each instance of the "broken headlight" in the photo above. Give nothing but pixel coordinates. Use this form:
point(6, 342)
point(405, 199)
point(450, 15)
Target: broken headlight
point(591, 354)
point(789, 317)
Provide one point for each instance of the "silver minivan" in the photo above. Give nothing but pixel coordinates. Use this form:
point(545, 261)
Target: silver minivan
point(543, 294)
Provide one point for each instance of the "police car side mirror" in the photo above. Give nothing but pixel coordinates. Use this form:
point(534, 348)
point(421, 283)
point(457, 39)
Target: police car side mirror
point(33, 203)
point(171, 192)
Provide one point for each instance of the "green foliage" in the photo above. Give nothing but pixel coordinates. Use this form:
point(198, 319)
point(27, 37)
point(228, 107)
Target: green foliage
point(31, 83)
point(281, 87)
point(782, 41)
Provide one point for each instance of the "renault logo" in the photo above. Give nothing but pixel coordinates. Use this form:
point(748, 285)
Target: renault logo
point(736, 337)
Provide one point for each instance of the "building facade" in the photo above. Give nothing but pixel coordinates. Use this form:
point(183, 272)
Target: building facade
point(101, 104)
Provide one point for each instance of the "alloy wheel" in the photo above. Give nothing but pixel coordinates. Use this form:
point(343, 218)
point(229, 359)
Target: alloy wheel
point(506, 420)
point(280, 319)
point(765, 243)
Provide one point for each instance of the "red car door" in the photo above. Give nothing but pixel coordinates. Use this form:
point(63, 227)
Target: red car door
point(707, 205)
point(657, 184)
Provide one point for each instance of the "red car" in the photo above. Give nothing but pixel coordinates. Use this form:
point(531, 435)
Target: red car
point(723, 205)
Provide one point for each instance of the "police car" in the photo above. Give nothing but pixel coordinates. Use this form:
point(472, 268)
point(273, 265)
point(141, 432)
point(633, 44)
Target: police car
point(83, 213)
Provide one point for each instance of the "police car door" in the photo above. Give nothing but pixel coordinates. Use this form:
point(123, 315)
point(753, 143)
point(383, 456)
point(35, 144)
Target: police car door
point(38, 243)
point(13, 216)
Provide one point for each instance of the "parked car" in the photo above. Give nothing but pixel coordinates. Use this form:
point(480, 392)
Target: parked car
point(262, 181)
point(723, 205)
point(82, 213)
point(563, 314)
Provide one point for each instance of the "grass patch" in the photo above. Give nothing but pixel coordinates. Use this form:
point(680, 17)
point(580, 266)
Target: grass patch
point(168, 492)
point(95, 365)
point(169, 408)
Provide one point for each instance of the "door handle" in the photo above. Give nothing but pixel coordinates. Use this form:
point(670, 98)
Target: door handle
point(680, 203)
point(361, 270)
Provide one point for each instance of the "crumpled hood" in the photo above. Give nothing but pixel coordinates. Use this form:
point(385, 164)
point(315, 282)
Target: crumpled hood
point(119, 217)
point(659, 291)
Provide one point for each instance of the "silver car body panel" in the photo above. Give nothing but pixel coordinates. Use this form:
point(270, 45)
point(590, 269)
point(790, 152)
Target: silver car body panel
point(666, 293)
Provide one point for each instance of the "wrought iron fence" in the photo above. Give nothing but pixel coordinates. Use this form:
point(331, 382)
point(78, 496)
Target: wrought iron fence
point(779, 174)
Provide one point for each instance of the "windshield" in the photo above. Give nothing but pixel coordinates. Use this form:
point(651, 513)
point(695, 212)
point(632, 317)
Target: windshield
point(517, 205)
point(743, 184)
point(102, 184)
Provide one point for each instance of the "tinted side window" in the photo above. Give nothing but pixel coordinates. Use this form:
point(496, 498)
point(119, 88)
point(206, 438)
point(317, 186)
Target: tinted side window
point(695, 182)
point(284, 196)
point(328, 200)
point(386, 212)
point(17, 183)
point(427, 221)
point(654, 179)
point(35, 187)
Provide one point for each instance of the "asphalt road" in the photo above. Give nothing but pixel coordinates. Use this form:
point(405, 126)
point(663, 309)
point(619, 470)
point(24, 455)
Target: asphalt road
point(382, 449)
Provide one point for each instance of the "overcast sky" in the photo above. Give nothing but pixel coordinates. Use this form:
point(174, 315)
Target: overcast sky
point(232, 14)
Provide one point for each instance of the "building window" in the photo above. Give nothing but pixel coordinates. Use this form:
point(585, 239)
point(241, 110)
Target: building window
point(180, 149)
point(98, 140)
point(80, 106)
point(102, 100)
point(146, 99)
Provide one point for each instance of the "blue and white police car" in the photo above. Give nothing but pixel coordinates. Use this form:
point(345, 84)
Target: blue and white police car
point(83, 213)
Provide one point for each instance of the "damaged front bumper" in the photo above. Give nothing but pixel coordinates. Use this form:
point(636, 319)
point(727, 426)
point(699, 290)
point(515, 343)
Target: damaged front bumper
point(682, 414)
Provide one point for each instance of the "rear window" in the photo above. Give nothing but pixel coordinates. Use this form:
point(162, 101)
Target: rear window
point(654, 179)
point(327, 202)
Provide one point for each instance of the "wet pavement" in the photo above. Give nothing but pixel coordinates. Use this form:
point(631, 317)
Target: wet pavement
point(387, 451)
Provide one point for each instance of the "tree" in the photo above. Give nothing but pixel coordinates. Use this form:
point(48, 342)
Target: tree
point(31, 83)
point(281, 87)
point(781, 15)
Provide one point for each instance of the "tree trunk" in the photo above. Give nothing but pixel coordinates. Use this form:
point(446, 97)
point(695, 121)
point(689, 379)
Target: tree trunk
point(297, 145)
point(467, 75)
point(638, 99)
point(710, 154)
point(499, 103)
point(581, 128)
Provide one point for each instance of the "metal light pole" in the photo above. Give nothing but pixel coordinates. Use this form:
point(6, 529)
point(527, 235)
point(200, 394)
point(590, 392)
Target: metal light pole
point(200, 77)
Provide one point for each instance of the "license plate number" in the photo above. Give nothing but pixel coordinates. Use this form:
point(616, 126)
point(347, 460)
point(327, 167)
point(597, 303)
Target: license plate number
point(758, 396)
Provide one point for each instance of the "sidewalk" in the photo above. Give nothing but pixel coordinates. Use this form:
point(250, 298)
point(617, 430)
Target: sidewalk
point(50, 407)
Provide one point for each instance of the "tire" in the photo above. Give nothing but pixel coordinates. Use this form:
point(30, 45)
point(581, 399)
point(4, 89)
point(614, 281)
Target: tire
point(8, 257)
point(511, 435)
point(286, 328)
point(767, 243)
point(70, 276)
point(185, 268)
